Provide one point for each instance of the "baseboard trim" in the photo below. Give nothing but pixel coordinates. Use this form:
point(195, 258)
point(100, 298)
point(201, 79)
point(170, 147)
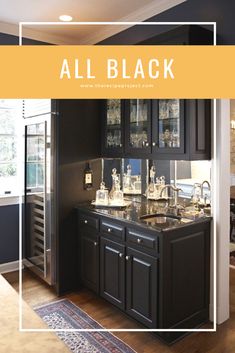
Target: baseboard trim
point(10, 267)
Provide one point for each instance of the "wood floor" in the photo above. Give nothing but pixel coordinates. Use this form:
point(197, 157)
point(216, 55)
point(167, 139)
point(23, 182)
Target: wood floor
point(36, 292)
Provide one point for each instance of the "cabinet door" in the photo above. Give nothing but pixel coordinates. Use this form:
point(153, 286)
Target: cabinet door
point(113, 127)
point(168, 126)
point(90, 261)
point(141, 287)
point(186, 278)
point(112, 268)
point(137, 127)
point(199, 112)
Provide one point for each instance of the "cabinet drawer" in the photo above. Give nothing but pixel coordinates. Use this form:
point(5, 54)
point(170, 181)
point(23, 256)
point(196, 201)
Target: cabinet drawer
point(142, 240)
point(113, 229)
point(88, 221)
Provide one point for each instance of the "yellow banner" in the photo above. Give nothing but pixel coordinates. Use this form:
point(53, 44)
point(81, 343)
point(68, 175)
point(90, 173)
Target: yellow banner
point(117, 72)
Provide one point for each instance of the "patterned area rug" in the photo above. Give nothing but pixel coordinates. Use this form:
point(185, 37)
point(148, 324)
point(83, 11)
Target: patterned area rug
point(63, 314)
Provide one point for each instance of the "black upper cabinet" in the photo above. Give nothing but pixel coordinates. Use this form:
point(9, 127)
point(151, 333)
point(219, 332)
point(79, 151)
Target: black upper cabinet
point(198, 128)
point(163, 128)
point(159, 129)
point(168, 127)
point(113, 127)
point(137, 127)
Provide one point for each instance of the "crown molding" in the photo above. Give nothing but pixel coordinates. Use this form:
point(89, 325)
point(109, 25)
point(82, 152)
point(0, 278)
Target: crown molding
point(145, 12)
point(140, 15)
point(13, 29)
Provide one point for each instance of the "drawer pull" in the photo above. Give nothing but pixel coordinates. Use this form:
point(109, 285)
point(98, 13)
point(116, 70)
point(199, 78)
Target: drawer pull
point(85, 221)
point(128, 258)
point(139, 240)
point(120, 255)
point(109, 230)
point(95, 243)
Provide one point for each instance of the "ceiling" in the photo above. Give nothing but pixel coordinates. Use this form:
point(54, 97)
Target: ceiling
point(14, 11)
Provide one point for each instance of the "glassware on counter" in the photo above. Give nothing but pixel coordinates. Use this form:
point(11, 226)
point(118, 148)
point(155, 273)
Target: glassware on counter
point(102, 195)
point(150, 192)
point(117, 195)
point(131, 183)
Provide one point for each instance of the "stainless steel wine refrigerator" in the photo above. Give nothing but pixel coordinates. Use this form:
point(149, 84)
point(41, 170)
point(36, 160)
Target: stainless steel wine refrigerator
point(39, 198)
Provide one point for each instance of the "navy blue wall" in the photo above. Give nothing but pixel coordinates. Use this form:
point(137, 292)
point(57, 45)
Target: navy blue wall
point(7, 39)
point(9, 233)
point(218, 11)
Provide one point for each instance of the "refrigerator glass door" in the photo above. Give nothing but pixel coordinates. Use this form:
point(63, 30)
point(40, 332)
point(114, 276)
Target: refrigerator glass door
point(38, 226)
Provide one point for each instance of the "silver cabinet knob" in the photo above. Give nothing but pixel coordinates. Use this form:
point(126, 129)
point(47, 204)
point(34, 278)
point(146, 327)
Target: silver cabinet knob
point(139, 240)
point(109, 230)
point(120, 145)
point(95, 243)
point(146, 144)
point(154, 144)
point(120, 254)
point(128, 258)
point(85, 221)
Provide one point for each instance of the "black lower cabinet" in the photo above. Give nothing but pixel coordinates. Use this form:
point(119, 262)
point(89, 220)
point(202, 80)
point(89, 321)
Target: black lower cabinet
point(159, 278)
point(141, 287)
point(90, 261)
point(112, 272)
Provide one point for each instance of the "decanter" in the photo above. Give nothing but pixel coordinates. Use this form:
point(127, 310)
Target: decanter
point(102, 196)
point(117, 197)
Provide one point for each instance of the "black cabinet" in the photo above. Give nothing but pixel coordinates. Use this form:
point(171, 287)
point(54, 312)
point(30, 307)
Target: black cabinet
point(112, 272)
point(168, 128)
point(90, 261)
point(159, 278)
point(186, 277)
point(198, 128)
point(141, 287)
point(113, 127)
point(137, 127)
point(160, 129)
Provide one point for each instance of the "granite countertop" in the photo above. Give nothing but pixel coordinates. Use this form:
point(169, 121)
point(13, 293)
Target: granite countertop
point(13, 341)
point(140, 207)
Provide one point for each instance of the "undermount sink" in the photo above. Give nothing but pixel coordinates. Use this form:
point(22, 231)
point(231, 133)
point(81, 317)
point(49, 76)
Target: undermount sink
point(161, 218)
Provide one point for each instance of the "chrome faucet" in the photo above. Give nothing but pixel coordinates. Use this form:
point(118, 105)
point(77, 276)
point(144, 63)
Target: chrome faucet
point(202, 184)
point(202, 192)
point(176, 192)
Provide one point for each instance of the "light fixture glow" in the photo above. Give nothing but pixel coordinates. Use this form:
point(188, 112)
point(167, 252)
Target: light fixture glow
point(65, 18)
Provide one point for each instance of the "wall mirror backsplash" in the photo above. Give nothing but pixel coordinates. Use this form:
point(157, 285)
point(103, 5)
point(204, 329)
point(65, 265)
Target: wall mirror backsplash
point(136, 175)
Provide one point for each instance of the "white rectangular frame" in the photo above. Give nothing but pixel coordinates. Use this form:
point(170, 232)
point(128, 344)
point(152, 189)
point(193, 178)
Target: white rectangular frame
point(21, 329)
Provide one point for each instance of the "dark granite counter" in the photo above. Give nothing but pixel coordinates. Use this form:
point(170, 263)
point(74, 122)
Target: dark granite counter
point(140, 207)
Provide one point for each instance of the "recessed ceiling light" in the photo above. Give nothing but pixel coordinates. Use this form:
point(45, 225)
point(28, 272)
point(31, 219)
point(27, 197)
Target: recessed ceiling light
point(65, 18)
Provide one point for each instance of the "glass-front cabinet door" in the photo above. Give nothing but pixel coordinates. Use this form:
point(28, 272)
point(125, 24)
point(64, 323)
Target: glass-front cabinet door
point(113, 125)
point(138, 125)
point(168, 126)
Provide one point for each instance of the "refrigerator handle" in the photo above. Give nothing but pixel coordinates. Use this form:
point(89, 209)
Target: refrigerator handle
point(45, 201)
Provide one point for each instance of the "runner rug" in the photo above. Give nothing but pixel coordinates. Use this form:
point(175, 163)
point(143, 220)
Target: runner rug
point(63, 314)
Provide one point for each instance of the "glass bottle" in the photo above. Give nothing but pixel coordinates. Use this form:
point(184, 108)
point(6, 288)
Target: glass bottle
point(115, 178)
point(102, 196)
point(127, 183)
point(88, 176)
point(151, 188)
point(117, 194)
